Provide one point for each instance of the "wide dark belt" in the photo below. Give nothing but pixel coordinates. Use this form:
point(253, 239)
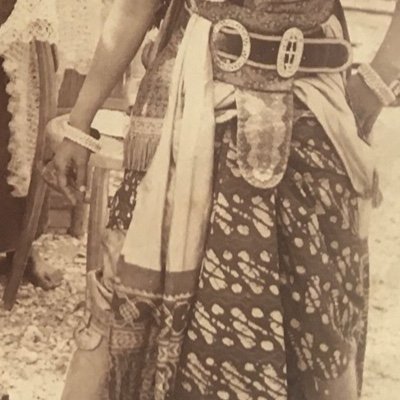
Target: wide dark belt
point(233, 47)
point(263, 67)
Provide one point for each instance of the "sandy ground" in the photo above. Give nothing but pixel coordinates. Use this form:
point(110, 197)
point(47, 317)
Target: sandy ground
point(382, 374)
point(36, 342)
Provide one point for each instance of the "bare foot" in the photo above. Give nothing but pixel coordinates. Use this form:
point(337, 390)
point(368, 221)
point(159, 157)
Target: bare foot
point(38, 271)
point(41, 274)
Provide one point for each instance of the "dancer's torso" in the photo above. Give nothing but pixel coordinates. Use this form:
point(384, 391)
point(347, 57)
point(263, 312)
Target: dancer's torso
point(261, 16)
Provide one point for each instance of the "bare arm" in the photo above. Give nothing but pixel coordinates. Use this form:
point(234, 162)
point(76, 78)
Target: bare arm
point(387, 59)
point(387, 64)
point(121, 38)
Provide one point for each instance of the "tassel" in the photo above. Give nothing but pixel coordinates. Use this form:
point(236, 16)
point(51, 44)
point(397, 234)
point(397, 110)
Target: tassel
point(139, 150)
point(141, 142)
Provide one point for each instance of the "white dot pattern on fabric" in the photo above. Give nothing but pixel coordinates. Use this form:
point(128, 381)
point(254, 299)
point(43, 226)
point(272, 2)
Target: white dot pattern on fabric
point(283, 278)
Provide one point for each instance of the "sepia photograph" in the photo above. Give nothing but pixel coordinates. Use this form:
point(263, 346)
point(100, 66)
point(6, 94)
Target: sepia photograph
point(199, 199)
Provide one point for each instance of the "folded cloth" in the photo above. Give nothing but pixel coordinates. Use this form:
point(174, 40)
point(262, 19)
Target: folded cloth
point(324, 95)
point(176, 193)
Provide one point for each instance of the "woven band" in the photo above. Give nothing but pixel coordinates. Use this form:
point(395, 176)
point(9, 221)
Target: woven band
point(383, 92)
point(83, 139)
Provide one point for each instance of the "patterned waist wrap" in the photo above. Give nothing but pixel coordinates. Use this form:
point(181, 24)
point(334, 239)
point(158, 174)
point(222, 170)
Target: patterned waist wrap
point(181, 98)
point(269, 16)
point(263, 99)
point(266, 17)
point(263, 149)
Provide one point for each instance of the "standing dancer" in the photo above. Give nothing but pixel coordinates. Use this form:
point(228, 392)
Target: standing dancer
point(236, 259)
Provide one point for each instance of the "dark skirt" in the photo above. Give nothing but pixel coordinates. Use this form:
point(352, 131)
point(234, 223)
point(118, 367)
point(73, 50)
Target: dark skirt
point(11, 208)
point(281, 307)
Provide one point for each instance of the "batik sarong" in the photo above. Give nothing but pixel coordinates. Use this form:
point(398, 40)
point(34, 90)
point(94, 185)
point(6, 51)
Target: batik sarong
point(282, 294)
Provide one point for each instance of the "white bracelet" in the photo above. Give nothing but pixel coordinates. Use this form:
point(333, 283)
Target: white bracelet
point(395, 88)
point(81, 138)
point(372, 79)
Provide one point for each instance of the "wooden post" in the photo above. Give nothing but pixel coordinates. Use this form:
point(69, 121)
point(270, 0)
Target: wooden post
point(37, 188)
point(97, 217)
point(78, 220)
point(28, 235)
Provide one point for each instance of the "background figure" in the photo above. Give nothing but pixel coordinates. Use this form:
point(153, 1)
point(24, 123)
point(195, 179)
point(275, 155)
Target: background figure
point(12, 208)
point(75, 40)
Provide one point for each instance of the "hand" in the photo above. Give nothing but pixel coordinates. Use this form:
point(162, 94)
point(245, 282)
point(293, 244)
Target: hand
point(147, 53)
point(70, 162)
point(364, 103)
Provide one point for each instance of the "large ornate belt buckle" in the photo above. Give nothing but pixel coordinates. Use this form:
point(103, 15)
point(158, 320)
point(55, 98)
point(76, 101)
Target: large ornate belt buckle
point(290, 53)
point(228, 62)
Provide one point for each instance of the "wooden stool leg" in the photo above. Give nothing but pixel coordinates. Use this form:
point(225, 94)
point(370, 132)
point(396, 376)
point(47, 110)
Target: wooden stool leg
point(35, 200)
point(97, 217)
point(78, 219)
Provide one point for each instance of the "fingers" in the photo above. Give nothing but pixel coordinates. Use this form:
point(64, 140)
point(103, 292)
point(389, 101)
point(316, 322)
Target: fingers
point(81, 177)
point(49, 174)
point(67, 190)
point(146, 54)
point(81, 180)
point(70, 163)
point(62, 169)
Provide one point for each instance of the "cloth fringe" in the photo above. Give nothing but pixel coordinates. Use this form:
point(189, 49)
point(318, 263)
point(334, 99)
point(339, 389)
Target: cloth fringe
point(139, 150)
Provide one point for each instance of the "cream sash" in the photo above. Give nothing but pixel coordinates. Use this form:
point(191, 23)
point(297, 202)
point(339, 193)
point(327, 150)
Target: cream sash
point(174, 199)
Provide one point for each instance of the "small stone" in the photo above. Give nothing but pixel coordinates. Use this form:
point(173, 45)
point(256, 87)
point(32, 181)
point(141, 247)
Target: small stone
point(80, 260)
point(19, 311)
point(61, 365)
point(39, 290)
point(33, 334)
point(29, 356)
point(23, 374)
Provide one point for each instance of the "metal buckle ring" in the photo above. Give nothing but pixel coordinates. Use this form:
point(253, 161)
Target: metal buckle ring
point(290, 53)
point(227, 62)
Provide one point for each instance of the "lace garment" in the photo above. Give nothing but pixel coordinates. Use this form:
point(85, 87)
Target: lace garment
point(73, 26)
point(30, 20)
